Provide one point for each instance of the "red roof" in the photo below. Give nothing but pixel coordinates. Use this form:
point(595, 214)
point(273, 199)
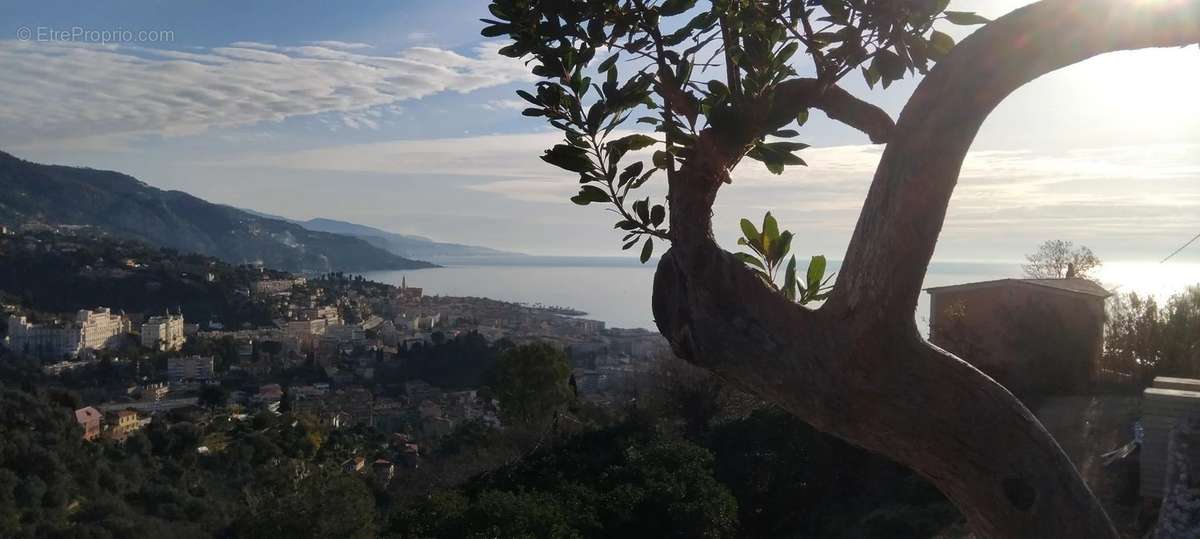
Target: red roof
point(83, 415)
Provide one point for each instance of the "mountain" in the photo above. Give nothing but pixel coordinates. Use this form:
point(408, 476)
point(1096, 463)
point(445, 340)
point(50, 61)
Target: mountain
point(405, 245)
point(126, 207)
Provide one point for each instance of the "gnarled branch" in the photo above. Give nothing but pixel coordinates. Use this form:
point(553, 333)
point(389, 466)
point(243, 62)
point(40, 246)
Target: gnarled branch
point(798, 94)
point(857, 367)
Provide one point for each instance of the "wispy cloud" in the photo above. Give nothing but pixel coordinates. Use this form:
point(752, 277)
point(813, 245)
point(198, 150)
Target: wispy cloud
point(1117, 194)
point(56, 91)
point(506, 104)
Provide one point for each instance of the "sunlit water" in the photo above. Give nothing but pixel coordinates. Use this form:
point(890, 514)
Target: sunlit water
point(619, 293)
point(1149, 278)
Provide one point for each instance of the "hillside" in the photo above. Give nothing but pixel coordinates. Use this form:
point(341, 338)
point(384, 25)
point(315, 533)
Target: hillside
point(402, 244)
point(124, 206)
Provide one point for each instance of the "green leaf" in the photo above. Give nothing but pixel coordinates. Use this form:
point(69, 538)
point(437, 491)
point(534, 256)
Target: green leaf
point(836, 9)
point(609, 63)
point(630, 173)
point(816, 271)
point(871, 75)
point(789, 280)
point(647, 250)
point(495, 30)
point(802, 117)
point(662, 160)
point(750, 260)
point(770, 229)
point(785, 146)
point(889, 64)
point(782, 246)
point(590, 193)
point(941, 42)
point(718, 89)
point(634, 142)
point(786, 52)
point(675, 7)
point(785, 133)
point(749, 231)
point(965, 18)
point(529, 97)
point(569, 158)
point(658, 214)
point(642, 209)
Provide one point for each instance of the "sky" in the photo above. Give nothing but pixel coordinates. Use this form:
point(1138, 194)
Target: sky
point(397, 114)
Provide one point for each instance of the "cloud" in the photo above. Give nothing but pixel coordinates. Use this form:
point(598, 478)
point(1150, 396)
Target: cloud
point(1150, 176)
point(544, 190)
point(56, 91)
point(506, 104)
point(1110, 198)
point(341, 45)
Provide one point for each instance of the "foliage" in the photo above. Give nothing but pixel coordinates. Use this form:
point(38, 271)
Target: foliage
point(792, 481)
point(72, 272)
point(530, 382)
point(320, 503)
point(769, 247)
point(460, 362)
point(1143, 339)
point(624, 481)
point(656, 63)
point(1056, 259)
point(753, 474)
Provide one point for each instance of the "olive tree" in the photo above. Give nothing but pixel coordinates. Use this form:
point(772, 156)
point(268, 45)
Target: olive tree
point(718, 82)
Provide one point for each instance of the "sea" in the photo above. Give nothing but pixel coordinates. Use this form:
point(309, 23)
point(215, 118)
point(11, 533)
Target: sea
point(617, 290)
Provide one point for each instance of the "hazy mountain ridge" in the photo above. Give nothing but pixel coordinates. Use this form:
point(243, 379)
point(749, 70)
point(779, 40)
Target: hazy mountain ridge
point(127, 207)
point(403, 244)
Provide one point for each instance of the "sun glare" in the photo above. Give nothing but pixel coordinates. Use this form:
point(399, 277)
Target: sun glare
point(1148, 278)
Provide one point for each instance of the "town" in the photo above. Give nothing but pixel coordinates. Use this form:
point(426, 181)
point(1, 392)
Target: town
point(337, 349)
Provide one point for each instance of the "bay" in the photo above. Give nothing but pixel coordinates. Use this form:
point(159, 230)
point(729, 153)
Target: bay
point(617, 291)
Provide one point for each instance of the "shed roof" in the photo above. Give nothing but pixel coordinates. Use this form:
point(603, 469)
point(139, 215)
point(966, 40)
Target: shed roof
point(1086, 287)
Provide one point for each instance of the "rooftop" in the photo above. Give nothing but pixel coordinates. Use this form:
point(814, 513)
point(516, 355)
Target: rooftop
point(1075, 285)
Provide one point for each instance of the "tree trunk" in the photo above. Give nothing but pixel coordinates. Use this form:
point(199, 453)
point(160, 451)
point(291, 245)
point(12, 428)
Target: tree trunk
point(857, 367)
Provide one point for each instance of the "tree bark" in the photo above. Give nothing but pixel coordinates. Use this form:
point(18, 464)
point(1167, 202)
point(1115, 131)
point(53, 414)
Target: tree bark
point(857, 367)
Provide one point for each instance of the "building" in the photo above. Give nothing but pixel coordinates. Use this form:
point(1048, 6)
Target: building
point(405, 294)
point(1040, 335)
point(1165, 404)
point(91, 330)
point(101, 328)
point(199, 368)
point(122, 423)
point(164, 333)
point(273, 287)
point(352, 406)
point(89, 418)
point(418, 321)
point(346, 333)
point(268, 397)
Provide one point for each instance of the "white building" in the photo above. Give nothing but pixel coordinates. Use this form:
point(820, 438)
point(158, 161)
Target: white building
point(164, 333)
point(101, 328)
point(271, 287)
point(91, 330)
point(190, 368)
point(418, 322)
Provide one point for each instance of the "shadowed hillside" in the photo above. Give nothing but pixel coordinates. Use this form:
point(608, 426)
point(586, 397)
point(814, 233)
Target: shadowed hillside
point(124, 206)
